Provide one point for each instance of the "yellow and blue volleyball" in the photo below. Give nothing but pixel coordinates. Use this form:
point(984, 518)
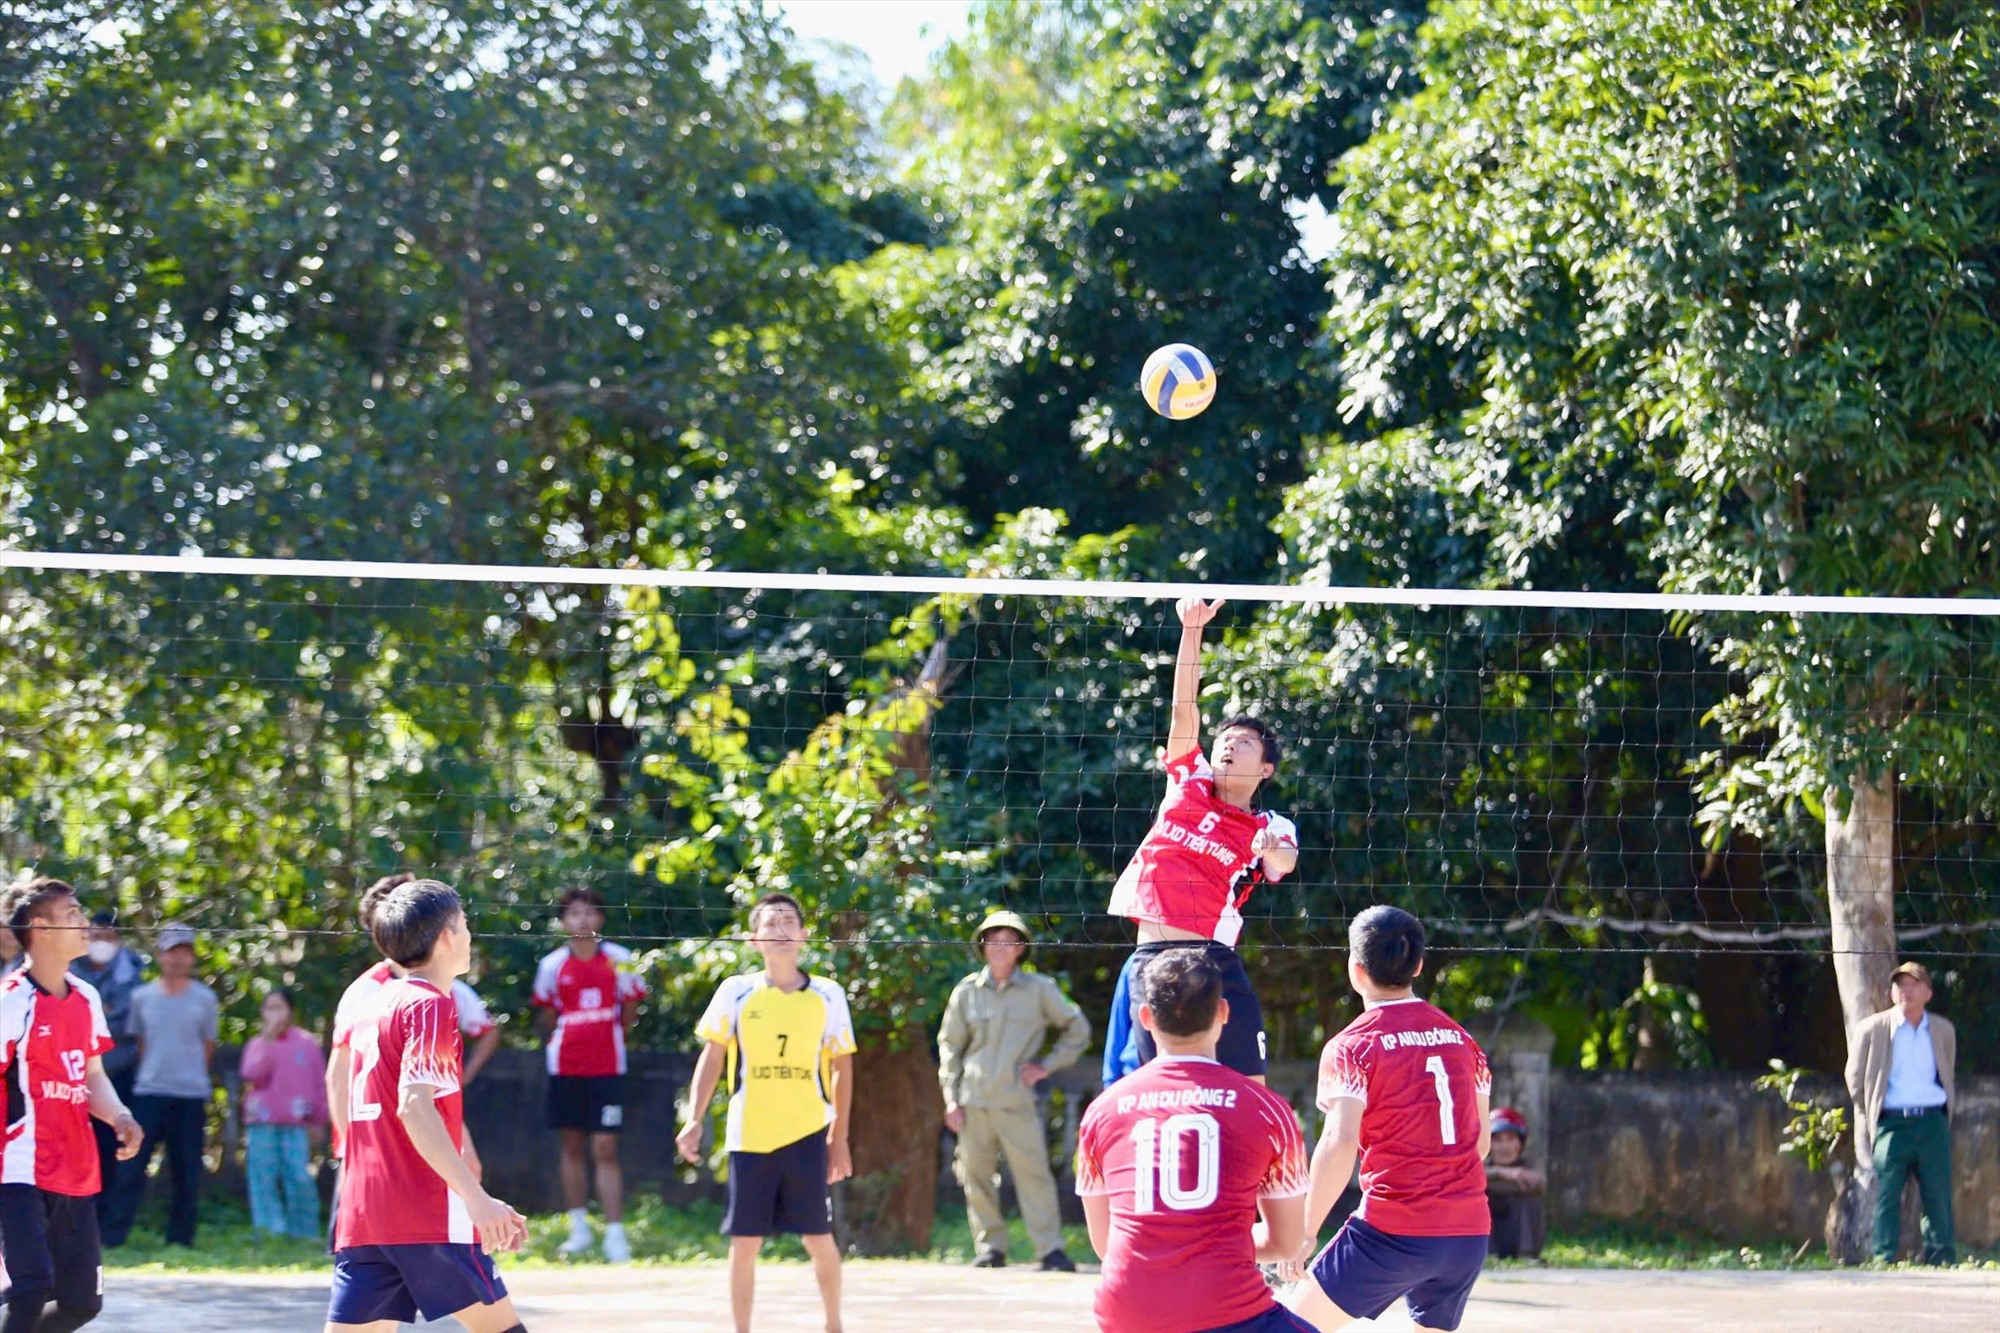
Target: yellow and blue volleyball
point(1178, 381)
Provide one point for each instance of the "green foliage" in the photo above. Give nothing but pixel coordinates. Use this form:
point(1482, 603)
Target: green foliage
point(1656, 1015)
point(1814, 1132)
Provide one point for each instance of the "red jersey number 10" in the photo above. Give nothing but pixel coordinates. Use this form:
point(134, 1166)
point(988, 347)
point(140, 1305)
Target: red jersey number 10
point(1159, 1150)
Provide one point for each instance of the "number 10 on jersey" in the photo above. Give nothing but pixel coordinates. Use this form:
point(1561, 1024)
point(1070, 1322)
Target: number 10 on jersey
point(1160, 1149)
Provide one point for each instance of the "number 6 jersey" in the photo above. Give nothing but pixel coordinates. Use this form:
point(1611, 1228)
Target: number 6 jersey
point(1419, 1077)
point(1185, 1148)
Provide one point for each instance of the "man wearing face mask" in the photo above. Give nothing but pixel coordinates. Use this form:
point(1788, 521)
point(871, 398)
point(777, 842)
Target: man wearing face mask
point(115, 971)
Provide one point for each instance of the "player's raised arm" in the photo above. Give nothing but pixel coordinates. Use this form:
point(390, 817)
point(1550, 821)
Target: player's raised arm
point(1184, 730)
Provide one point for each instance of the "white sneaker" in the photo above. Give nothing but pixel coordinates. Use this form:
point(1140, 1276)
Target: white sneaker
point(617, 1249)
point(580, 1242)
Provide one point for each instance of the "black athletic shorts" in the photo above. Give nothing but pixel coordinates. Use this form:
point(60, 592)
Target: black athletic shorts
point(52, 1249)
point(1242, 1046)
point(779, 1192)
point(594, 1104)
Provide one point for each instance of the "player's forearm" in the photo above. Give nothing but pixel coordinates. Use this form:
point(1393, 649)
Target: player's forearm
point(1332, 1168)
point(1281, 1232)
point(105, 1103)
point(707, 1072)
point(843, 1097)
point(1280, 861)
point(336, 1088)
point(1184, 731)
point(417, 1109)
point(482, 1051)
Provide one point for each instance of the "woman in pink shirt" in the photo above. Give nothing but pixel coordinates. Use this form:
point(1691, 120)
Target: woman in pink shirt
point(284, 1104)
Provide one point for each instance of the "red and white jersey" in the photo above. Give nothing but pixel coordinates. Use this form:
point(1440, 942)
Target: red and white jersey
point(1185, 1148)
point(1195, 870)
point(389, 1194)
point(1419, 1077)
point(475, 1020)
point(588, 996)
point(46, 1046)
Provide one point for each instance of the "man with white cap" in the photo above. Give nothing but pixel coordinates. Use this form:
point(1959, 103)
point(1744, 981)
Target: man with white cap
point(990, 1058)
point(1901, 1067)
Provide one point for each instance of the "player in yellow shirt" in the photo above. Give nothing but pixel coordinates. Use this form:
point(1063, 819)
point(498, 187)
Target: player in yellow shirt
point(786, 1045)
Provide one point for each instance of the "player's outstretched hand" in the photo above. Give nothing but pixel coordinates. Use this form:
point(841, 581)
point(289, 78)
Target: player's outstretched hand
point(839, 1162)
point(130, 1137)
point(1195, 613)
point(689, 1141)
point(500, 1229)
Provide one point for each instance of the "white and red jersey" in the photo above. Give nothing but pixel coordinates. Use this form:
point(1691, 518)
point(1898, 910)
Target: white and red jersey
point(1185, 1148)
point(46, 1046)
point(588, 996)
point(1419, 1077)
point(475, 1020)
point(389, 1194)
point(1195, 870)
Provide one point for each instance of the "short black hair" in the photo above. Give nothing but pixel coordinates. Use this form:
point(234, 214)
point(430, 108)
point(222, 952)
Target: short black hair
point(1267, 735)
point(409, 921)
point(20, 904)
point(1182, 988)
point(580, 894)
point(1389, 944)
point(776, 900)
point(284, 993)
point(104, 918)
point(372, 896)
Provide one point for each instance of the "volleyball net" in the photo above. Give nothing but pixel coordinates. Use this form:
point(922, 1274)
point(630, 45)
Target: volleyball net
point(244, 745)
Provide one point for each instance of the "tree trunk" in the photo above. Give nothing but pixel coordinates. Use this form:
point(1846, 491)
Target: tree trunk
point(1861, 898)
point(891, 1203)
point(1861, 893)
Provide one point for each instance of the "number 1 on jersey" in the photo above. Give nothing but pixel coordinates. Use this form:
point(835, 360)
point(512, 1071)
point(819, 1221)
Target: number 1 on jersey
point(1447, 1123)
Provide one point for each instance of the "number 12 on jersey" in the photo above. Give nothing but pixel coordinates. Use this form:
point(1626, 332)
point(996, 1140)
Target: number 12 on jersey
point(1160, 1148)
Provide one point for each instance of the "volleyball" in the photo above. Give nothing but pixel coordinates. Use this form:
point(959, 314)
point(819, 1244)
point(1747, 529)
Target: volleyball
point(1178, 381)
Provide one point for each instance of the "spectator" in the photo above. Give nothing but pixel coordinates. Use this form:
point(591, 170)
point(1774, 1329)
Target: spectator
point(1901, 1068)
point(115, 972)
point(1513, 1189)
point(587, 994)
point(993, 1050)
point(284, 1108)
point(174, 1024)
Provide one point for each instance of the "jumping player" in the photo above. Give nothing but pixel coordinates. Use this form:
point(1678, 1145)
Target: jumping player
point(1409, 1089)
point(1174, 1163)
point(415, 1229)
point(1208, 848)
point(52, 1043)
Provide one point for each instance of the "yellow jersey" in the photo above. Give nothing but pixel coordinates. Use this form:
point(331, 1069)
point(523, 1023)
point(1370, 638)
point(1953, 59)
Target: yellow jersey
point(781, 1046)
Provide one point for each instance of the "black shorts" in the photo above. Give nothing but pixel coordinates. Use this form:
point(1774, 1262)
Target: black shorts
point(1242, 1046)
point(779, 1192)
point(51, 1245)
point(593, 1104)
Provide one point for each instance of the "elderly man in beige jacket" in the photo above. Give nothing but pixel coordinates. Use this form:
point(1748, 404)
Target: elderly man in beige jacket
point(1900, 1071)
point(990, 1057)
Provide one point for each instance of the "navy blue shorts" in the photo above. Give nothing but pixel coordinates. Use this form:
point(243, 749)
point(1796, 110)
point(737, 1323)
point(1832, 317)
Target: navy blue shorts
point(1242, 1046)
point(1277, 1319)
point(1366, 1269)
point(780, 1192)
point(372, 1282)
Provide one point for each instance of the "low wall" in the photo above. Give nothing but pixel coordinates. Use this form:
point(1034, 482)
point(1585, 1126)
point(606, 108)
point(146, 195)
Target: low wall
point(1694, 1151)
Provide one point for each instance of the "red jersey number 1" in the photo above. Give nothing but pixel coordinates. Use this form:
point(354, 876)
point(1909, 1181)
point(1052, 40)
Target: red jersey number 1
point(1447, 1128)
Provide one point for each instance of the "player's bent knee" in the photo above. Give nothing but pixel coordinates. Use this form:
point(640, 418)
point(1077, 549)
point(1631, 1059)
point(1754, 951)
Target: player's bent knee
point(1310, 1302)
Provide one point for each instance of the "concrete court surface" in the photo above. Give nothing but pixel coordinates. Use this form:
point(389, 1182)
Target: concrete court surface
point(891, 1296)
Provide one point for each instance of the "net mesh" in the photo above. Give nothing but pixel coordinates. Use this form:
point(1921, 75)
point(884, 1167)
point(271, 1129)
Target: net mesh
point(245, 750)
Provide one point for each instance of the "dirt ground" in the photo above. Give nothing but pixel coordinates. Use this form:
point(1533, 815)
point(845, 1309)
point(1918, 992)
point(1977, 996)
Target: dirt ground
point(907, 1297)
